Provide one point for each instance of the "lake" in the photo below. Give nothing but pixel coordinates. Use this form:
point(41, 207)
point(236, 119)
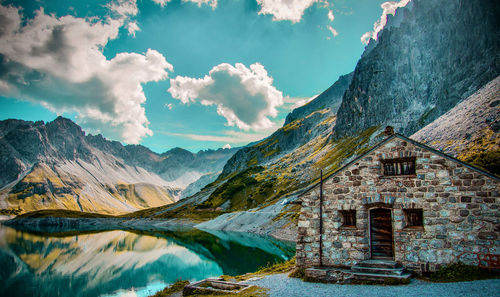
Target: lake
point(125, 263)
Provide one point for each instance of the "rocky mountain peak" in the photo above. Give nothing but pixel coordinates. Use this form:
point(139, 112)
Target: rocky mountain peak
point(65, 125)
point(427, 60)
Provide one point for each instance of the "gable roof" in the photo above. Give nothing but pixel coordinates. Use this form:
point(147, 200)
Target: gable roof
point(416, 143)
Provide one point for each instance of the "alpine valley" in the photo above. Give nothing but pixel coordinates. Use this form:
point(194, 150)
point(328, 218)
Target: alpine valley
point(423, 76)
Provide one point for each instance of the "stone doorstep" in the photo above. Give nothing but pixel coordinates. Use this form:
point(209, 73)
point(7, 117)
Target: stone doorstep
point(378, 264)
point(377, 270)
point(379, 277)
point(372, 270)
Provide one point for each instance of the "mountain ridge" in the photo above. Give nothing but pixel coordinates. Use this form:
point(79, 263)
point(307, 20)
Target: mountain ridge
point(56, 165)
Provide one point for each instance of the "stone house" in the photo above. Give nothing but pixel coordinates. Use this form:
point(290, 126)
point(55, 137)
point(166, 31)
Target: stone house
point(405, 202)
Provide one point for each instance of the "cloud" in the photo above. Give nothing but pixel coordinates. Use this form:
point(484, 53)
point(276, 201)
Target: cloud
point(58, 62)
point(161, 2)
point(244, 96)
point(211, 3)
point(169, 106)
point(294, 102)
point(289, 10)
point(334, 32)
point(124, 8)
point(331, 17)
point(228, 137)
point(388, 8)
point(132, 28)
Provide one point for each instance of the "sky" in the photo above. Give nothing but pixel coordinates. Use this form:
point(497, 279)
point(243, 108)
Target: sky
point(195, 74)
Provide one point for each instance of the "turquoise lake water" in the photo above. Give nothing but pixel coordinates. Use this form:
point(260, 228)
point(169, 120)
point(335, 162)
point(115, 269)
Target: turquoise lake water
point(125, 263)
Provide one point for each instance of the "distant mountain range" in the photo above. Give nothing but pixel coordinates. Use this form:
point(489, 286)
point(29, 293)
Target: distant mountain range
point(56, 165)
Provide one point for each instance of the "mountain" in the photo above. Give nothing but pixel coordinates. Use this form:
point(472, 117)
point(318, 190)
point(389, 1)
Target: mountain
point(184, 168)
point(331, 98)
point(301, 126)
point(56, 165)
point(471, 130)
point(431, 55)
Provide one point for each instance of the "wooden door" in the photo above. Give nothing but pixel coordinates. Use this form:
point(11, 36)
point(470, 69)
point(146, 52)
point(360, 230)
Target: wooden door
point(381, 233)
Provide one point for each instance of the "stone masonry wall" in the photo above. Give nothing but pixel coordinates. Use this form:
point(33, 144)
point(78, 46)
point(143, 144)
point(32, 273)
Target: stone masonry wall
point(460, 211)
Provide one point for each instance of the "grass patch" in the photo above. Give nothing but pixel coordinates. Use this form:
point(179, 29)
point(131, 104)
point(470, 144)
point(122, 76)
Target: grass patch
point(174, 288)
point(459, 272)
point(345, 148)
point(243, 191)
point(291, 211)
point(489, 161)
point(62, 213)
point(250, 292)
point(277, 267)
point(10, 211)
point(269, 269)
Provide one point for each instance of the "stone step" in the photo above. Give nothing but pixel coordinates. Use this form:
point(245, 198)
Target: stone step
point(379, 277)
point(377, 270)
point(378, 264)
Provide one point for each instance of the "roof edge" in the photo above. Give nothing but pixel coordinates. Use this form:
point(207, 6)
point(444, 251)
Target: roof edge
point(414, 142)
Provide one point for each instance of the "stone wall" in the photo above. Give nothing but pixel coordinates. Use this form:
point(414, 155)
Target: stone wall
point(460, 212)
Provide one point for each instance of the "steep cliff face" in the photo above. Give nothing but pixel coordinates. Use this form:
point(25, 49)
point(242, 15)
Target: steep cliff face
point(471, 130)
point(55, 165)
point(436, 54)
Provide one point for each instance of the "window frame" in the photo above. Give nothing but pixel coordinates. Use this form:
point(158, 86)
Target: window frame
point(410, 222)
point(352, 217)
point(397, 166)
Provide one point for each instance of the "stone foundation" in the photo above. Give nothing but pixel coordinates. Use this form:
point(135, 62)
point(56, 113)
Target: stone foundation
point(329, 275)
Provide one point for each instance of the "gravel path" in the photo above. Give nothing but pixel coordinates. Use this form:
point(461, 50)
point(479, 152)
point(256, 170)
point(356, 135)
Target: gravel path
point(282, 286)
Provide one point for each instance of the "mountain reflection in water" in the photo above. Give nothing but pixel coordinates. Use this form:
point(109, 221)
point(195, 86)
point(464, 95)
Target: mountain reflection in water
point(135, 263)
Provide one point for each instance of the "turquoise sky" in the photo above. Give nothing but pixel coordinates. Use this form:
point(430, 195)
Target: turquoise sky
point(80, 59)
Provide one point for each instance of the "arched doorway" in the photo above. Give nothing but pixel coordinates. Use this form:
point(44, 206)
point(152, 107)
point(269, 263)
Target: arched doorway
point(381, 241)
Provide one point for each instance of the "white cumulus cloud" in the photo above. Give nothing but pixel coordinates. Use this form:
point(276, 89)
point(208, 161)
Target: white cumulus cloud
point(124, 8)
point(289, 10)
point(331, 17)
point(211, 3)
point(229, 137)
point(295, 102)
point(58, 62)
point(388, 8)
point(161, 2)
point(132, 28)
point(244, 96)
point(332, 30)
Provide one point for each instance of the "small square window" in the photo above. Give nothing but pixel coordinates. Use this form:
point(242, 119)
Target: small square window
point(348, 218)
point(414, 217)
point(402, 166)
